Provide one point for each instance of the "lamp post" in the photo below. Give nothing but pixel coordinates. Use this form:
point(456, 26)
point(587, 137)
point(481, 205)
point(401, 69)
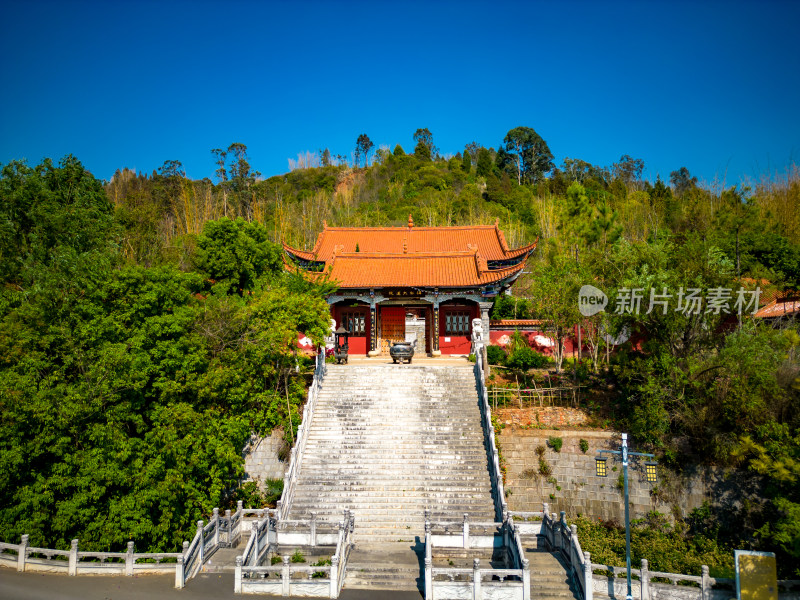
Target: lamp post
point(650, 473)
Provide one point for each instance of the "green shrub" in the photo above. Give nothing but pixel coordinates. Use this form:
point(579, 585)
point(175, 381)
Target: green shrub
point(524, 358)
point(584, 445)
point(555, 443)
point(298, 557)
point(275, 560)
point(544, 468)
point(495, 355)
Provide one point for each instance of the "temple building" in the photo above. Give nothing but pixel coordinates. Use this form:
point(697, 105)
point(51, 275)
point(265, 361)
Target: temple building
point(412, 283)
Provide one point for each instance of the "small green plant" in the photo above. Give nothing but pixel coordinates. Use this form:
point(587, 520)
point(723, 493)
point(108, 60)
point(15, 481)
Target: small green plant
point(621, 482)
point(298, 557)
point(558, 488)
point(528, 474)
point(275, 560)
point(495, 355)
point(552, 496)
point(540, 450)
point(322, 562)
point(544, 468)
point(450, 562)
point(584, 445)
point(555, 443)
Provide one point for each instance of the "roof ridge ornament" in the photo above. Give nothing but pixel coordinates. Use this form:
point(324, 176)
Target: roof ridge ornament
point(410, 221)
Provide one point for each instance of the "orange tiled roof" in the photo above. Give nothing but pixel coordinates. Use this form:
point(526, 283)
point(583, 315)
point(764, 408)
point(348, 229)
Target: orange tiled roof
point(414, 256)
point(506, 323)
point(446, 269)
point(489, 240)
point(778, 309)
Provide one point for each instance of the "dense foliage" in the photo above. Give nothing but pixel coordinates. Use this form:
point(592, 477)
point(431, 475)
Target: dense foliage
point(129, 392)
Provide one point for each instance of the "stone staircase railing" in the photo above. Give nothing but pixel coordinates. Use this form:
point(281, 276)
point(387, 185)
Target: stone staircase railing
point(496, 474)
point(75, 562)
point(296, 459)
point(451, 582)
point(287, 579)
point(600, 580)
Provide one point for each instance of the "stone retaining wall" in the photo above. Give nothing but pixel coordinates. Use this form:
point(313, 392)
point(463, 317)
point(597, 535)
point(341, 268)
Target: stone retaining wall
point(582, 492)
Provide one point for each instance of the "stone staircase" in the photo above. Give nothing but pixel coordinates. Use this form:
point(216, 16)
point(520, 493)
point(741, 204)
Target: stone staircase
point(389, 442)
point(549, 578)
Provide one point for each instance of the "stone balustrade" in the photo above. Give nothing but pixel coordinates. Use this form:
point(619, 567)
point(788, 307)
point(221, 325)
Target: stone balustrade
point(73, 562)
point(496, 474)
point(296, 456)
point(287, 579)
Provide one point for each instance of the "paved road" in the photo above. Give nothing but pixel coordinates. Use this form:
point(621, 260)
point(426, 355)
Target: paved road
point(42, 586)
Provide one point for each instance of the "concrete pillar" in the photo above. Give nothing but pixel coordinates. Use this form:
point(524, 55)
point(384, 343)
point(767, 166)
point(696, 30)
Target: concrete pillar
point(237, 576)
point(334, 576)
point(588, 578)
point(73, 559)
point(477, 594)
point(644, 583)
point(285, 579)
point(129, 560)
point(466, 532)
point(23, 553)
point(179, 572)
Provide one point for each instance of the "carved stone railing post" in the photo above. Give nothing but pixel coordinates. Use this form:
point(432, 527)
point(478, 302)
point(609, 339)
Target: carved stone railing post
point(216, 527)
point(573, 553)
point(237, 576)
point(229, 529)
point(705, 583)
point(466, 532)
point(644, 580)
point(23, 553)
point(526, 579)
point(556, 536)
point(428, 578)
point(73, 558)
point(129, 560)
point(477, 594)
point(201, 556)
point(285, 580)
point(335, 576)
point(588, 589)
point(179, 573)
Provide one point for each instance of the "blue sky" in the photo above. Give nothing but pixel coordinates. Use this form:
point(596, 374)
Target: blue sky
point(713, 86)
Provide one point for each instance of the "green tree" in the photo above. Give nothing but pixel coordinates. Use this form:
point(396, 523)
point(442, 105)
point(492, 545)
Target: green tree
point(466, 162)
point(682, 181)
point(484, 166)
point(363, 146)
point(235, 254)
point(529, 153)
point(423, 137)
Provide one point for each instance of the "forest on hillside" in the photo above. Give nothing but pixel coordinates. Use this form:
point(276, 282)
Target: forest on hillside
point(147, 326)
